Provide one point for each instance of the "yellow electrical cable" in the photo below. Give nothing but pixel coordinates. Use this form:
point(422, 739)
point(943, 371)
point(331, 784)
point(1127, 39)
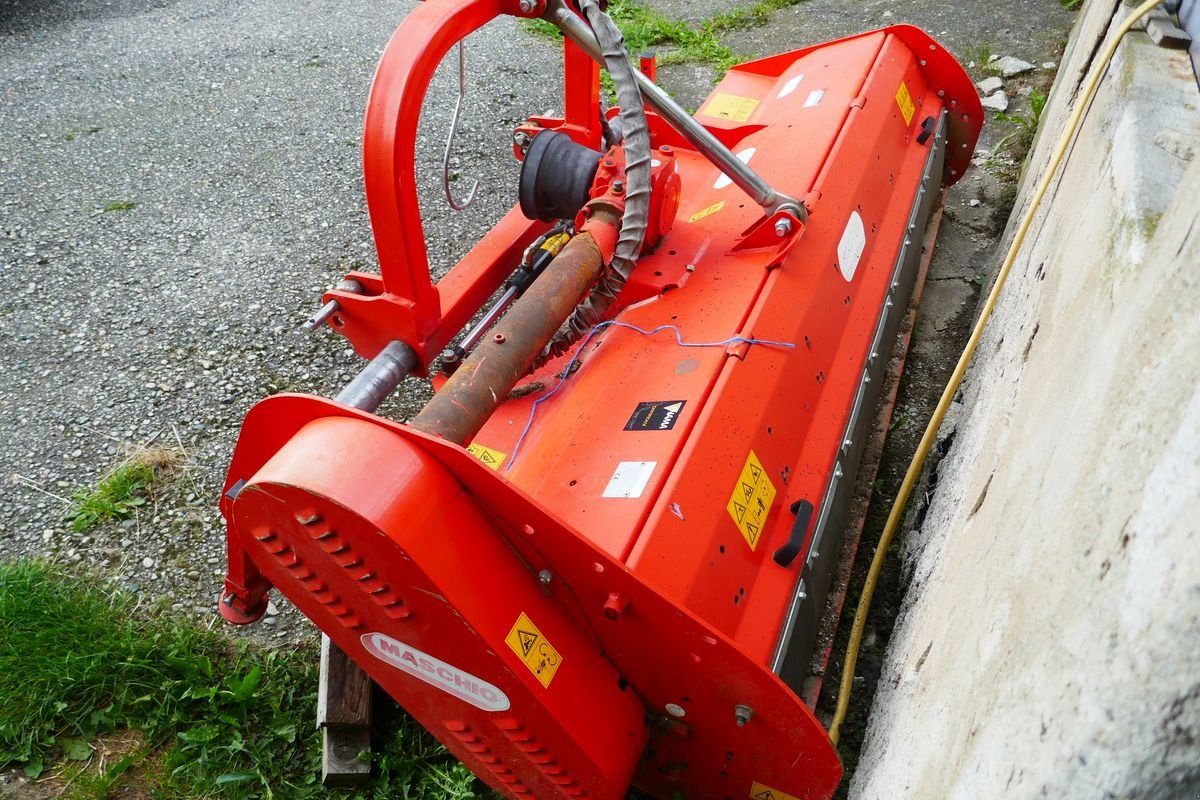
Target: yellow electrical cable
point(927, 440)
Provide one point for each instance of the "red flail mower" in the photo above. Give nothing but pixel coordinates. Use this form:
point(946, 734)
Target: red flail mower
point(600, 555)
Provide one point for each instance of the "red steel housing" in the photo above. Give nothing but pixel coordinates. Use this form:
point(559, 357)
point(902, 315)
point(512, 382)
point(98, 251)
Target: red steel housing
point(604, 605)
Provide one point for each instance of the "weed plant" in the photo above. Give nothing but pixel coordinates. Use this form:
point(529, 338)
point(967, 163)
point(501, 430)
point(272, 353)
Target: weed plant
point(117, 496)
point(1021, 139)
point(123, 489)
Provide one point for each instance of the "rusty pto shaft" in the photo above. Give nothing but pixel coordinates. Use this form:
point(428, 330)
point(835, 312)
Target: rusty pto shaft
point(481, 384)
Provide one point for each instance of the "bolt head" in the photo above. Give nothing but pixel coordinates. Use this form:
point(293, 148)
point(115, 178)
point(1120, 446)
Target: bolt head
point(783, 227)
point(615, 606)
point(522, 139)
point(545, 577)
point(527, 6)
point(618, 187)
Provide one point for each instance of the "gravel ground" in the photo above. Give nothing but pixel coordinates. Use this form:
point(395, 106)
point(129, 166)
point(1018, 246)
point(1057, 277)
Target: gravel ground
point(178, 183)
point(224, 140)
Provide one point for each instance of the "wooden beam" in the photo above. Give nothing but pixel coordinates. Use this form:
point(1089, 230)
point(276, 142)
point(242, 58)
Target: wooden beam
point(344, 717)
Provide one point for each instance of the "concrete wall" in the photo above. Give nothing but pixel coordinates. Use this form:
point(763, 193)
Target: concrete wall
point(1049, 644)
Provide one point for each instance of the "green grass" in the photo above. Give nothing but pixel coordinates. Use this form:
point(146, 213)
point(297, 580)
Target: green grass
point(207, 717)
point(646, 29)
point(119, 205)
point(71, 136)
point(980, 53)
point(752, 16)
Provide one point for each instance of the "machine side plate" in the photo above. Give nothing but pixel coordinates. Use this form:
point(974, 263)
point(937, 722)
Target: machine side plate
point(666, 654)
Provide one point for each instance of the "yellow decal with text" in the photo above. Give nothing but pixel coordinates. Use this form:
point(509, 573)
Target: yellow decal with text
point(731, 107)
point(534, 650)
point(760, 792)
point(493, 458)
point(752, 497)
point(704, 212)
point(905, 101)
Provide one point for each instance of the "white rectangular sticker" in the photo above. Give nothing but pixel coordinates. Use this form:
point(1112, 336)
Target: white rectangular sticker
point(630, 479)
point(850, 248)
point(814, 97)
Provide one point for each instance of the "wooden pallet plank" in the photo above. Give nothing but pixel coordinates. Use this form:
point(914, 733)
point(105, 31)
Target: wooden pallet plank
point(344, 717)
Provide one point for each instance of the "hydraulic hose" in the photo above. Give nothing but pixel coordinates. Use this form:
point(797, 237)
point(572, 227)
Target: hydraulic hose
point(930, 436)
point(636, 132)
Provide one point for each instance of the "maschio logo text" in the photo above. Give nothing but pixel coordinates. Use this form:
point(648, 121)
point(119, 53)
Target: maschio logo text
point(437, 673)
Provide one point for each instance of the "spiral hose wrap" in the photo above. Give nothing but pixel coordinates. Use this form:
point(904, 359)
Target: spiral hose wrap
point(637, 179)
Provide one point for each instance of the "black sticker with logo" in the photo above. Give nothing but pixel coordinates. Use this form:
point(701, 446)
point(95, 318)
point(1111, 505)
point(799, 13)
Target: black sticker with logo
point(658, 415)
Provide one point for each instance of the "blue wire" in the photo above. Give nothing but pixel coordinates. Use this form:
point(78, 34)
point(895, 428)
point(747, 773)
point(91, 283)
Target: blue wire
point(615, 324)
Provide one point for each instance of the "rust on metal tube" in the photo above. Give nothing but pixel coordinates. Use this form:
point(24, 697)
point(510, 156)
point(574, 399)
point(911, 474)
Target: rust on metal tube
point(480, 385)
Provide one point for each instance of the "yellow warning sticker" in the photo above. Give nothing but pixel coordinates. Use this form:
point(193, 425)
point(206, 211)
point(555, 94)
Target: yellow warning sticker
point(752, 497)
point(730, 106)
point(533, 649)
point(493, 458)
point(704, 212)
point(760, 792)
point(905, 101)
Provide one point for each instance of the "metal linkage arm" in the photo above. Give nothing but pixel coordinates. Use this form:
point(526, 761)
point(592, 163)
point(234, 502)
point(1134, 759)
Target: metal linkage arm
point(577, 30)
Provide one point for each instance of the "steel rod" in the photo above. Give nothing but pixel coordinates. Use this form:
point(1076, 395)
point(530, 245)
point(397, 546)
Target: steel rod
point(333, 306)
point(321, 317)
point(380, 377)
point(746, 179)
point(476, 333)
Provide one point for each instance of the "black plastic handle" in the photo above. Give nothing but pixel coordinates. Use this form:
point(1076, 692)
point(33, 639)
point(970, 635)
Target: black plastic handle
point(927, 129)
point(785, 555)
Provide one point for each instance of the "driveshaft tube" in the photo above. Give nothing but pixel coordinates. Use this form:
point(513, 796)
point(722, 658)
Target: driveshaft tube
point(481, 384)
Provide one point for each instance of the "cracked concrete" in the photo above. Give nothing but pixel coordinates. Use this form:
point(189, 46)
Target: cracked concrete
point(1046, 644)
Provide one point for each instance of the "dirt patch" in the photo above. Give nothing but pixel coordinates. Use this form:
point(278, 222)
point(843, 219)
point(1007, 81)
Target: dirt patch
point(116, 769)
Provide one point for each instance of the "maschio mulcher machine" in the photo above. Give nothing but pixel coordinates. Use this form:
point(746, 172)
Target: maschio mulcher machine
point(598, 557)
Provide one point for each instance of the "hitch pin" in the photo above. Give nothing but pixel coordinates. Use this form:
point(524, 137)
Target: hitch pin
point(321, 317)
point(333, 306)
